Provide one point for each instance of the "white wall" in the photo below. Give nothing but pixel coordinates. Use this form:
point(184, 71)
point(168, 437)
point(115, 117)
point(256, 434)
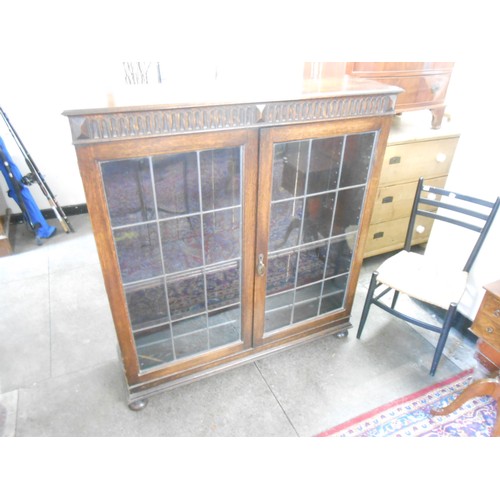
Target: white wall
point(67, 55)
point(475, 170)
point(34, 96)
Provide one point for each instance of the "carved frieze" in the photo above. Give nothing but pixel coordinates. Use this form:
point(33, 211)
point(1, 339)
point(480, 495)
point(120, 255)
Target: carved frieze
point(95, 127)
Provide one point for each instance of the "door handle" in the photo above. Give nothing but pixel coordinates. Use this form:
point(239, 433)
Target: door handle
point(261, 267)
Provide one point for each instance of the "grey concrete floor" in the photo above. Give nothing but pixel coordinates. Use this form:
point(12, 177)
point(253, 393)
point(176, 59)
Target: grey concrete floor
point(60, 373)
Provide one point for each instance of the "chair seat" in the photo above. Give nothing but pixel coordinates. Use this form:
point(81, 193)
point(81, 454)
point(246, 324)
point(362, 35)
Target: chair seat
point(423, 278)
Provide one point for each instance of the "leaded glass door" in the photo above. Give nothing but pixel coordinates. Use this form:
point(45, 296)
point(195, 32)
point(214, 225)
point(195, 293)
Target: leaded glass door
point(182, 224)
point(316, 186)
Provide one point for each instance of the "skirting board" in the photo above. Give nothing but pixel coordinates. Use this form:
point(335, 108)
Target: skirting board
point(48, 213)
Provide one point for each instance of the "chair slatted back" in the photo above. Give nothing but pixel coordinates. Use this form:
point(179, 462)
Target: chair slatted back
point(476, 220)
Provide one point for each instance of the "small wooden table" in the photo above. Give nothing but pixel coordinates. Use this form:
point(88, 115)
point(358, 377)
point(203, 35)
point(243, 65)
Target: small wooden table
point(486, 326)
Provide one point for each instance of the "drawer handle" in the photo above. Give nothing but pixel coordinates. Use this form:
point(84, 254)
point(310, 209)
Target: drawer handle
point(496, 313)
point(388, 199)
point(394, 160)
point(378, 235)
point(440, 157)
point(489, 329)
point(435, 88)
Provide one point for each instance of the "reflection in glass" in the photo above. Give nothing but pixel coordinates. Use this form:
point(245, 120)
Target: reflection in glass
point(324, 165)
point(138, 251)
point(221, 231)
point(318, 217)
point(284, 228)
point(290, 163)
point(177, 231)
point(278, 318)
point(223, 286)
point(224, 334)
point(281, 270)
point(147, 303)
point(220, 178)
point(318, 189)
point(305, 310)
point(176, 184)
point(181, 243)
point(347, 215)
point(357, 159)
point(333, 294)
point(311, 264)
point(154, 347)
point(340, 255)
point(186, 296)
point(129, 191)
point(191, 343)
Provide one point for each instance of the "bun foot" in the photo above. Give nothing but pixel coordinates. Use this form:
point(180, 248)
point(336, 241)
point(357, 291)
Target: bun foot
point(138, 405)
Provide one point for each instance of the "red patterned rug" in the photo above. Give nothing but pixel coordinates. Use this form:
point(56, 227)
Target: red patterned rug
point(410, 416)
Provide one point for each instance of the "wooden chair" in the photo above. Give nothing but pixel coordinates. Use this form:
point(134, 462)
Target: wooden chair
point(425, 277)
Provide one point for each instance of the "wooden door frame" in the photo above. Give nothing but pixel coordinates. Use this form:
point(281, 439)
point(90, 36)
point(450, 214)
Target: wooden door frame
point(89, 158)
point(273, 135)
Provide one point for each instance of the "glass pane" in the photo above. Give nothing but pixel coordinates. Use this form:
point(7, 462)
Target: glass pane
point(305, 310)
point(138, 250)
point(147, 303)
point(281, 270)
point(129, 191)
point(357, 159)
point(223, 286)
point(348, 212)
point(222, 316)
point(279, 300)
point(220, 178)
point(340, 255)
point(224, 334)
point(154, 347)
point(189, 325)
point(286, 219)
point(312, 264)
point(278, 318)
point(186, 296)
point(176, 184)
point(318, 217)
point(191, 343)
point(333, 294)
point(289, 168)
point(221, 231)
point(309, 292)
point(324, 164)
point(181, 243)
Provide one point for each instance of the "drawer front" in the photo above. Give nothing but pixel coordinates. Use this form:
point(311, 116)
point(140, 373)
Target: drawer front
point(407, 162)
point(395, 202)
point(420, 90)
point(487, 322)
point(387, 236)
point(374, 69)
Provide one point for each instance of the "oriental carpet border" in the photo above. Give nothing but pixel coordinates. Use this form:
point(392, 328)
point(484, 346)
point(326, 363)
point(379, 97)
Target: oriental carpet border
point(410, 415)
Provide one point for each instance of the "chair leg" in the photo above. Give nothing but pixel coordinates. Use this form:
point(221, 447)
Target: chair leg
point(450, 315)
point(394, 299)
point(368, 303)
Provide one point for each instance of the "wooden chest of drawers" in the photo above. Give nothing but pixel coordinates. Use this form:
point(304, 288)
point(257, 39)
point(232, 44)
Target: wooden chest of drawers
point(425, 83)
point(413, 151)
point(486, 325)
